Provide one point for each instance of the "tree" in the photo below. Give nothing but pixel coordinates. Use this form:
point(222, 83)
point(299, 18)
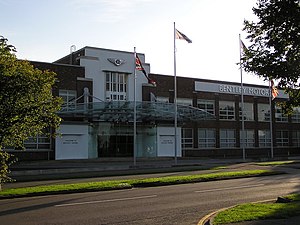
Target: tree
point(27, 107)
point(274, 53)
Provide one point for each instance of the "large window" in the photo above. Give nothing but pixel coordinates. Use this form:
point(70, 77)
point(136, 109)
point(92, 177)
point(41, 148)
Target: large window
point(227, 138)
point(247, 138)
point(263, 112)
point(187, 138)
point(39, 142)
point(206, 105)
point(296, 138)
point(206, 138)
point(296, 115)
point(116, 86)
point(264, 138)
point(227, 111)
point(69, 98)
point(247, 112)
point(282, 138)
point(279, 115)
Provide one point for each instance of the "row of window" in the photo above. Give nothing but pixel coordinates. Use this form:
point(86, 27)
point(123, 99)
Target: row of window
point(207, 138)
point(39, 142)
point(227, 111)
point(115, 89)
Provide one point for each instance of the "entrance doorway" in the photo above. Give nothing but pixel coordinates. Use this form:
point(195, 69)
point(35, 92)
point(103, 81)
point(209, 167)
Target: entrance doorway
point(115, 145)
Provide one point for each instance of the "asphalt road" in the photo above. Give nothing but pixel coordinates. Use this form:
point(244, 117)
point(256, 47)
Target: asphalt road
point(168, 205)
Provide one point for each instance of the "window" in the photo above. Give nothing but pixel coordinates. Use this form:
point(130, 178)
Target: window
point(248, 111)
point(227, 138)
point(264, 138)
point(296, 115)
point(187, 138)
point(206, 105)
point(116, 86)
point(206, 138)
point(227, 111)
point(247, 139)
point(296, 138)
point(184, 101)
point(279, 115)
point(263, 112)
point(282, 138)
point(69, 97)
point(39, 142)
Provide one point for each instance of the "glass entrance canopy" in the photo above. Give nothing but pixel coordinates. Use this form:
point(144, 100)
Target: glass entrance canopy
point(123, 111)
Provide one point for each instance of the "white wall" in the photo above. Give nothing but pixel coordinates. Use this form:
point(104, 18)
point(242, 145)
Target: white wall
point(96, 63)
point(166, 141)
point(73, 142)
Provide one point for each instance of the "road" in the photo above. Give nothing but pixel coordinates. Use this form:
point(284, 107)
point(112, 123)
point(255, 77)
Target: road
point(168, 205)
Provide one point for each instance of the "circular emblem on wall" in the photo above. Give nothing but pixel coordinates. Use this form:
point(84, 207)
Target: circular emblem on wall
point(115, 61)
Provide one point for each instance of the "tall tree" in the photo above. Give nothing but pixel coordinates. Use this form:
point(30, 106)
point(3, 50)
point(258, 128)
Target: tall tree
point(27, 107)
point(274, 52)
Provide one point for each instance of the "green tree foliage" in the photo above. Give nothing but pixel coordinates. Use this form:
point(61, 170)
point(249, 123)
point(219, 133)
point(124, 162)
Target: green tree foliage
point(27, 107)
point(275, 44)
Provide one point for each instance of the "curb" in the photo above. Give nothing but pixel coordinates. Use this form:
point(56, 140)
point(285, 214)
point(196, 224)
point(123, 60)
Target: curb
point(208, 219)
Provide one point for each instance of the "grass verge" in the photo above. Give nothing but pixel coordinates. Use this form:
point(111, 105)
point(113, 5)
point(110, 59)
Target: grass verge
point(275, 163)
point(259, 211)
point(123, 184)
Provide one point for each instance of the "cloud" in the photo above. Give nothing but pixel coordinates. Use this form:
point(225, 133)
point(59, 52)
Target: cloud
point(107, 11)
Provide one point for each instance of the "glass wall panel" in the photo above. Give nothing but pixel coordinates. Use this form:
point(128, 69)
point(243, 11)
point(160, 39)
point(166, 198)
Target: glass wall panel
point(227, 138)
point(227, 110)
point(187, 138)
point(264, 138)
point(206, 138)
point(263, 112)
point(206, 105)
point(248, 111)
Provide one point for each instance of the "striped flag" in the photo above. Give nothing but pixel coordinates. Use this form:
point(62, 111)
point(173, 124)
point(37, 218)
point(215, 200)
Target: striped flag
point(182, 36)
point(274, 90)
point(139, 66)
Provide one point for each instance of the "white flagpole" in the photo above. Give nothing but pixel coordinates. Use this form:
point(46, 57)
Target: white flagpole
point(175, 99)
point(242, 103)
point(134, 112)
point(271, 119)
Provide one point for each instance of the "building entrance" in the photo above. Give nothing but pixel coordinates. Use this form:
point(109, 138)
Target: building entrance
point(115, 145)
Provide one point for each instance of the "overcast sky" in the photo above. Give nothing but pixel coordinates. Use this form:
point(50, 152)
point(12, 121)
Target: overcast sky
point(44, 30)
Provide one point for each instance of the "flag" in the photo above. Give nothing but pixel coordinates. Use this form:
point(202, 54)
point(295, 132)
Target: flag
point(243, 46)
point(181, 36)
point(138, 66)
point(274, 90)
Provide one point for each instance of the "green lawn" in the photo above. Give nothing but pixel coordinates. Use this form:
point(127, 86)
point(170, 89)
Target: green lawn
point(259, 211)
point(122, 184)
point(275, 163)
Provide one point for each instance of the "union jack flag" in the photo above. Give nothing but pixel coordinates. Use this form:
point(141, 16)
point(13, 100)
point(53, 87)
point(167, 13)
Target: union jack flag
point(139, 66)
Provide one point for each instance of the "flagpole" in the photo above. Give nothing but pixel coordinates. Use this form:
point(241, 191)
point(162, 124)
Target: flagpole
point(271, 119)
point(242, 102)
point(134, 112)
point(175, 99)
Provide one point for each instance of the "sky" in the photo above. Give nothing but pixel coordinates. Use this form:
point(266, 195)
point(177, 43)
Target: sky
point(45, 30)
